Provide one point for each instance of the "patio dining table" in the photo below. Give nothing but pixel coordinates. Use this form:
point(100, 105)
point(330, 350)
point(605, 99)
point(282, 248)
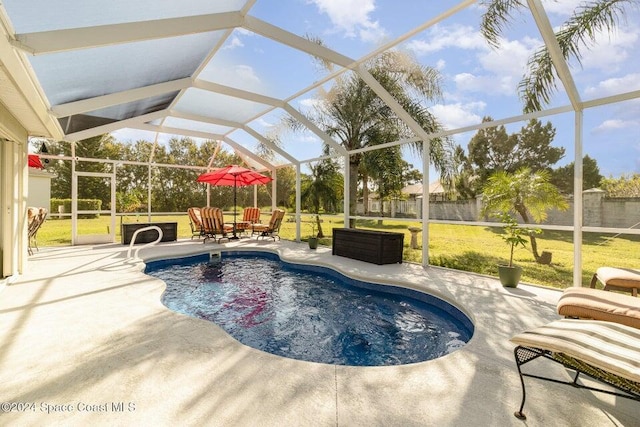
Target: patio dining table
point(239, 226)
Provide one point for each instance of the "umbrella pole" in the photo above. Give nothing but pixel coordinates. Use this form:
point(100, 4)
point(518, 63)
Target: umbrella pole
point(235, 189)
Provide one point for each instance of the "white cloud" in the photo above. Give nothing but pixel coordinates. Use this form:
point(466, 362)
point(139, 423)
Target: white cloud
point(264, 123)
point(233, 43)
point(307, 137)
point(614, 86)
point(352, 17)
point(501, 69)
point(247, 74)
point(492, 84)
point(244, 31)
point(610, 50)
point(510, 59)
point(458, 115)
point(372, 33)
point(615, 124)
point(443, 37)
point(563, 7)
point(308, 104)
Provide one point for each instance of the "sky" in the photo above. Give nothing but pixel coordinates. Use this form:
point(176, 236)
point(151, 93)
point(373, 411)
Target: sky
point(477, 80)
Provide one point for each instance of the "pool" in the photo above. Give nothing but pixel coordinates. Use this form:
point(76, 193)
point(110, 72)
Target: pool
point(311, 313)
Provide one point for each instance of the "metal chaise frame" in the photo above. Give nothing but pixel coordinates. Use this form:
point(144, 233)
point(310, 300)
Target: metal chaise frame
point(524, 354)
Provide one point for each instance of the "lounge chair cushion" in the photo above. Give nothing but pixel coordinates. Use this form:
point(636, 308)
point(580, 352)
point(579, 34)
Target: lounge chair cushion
point(608, 346)
point(587, 303)
point(621, 279)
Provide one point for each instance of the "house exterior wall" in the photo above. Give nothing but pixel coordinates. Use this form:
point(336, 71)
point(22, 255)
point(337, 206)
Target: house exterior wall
point(39, 189)
point(13, 214)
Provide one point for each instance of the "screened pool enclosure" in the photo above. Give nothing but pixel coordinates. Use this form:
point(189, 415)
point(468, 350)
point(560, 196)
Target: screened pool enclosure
point(231, 71)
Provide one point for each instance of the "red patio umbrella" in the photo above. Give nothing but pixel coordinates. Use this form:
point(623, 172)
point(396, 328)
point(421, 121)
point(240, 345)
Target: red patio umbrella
point(235, 176)
point(34, 161)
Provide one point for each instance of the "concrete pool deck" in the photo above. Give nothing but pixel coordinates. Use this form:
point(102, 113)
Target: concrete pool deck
point(86, 338)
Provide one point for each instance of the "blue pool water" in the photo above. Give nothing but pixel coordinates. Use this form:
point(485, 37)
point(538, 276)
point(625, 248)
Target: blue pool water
point(311, 313)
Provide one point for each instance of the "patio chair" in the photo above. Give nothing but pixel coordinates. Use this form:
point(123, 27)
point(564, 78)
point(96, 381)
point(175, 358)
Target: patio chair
point(617, 279)
point(250, 216)
point(195, 221)
point(36, 217)
point(605, 351)
point(597, 304)
point(213, 224)
point(272, 229)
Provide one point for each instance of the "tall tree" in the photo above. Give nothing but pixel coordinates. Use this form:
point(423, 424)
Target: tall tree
point(98, 147)
point(133, 180)
point(175, 189)
point(386, 168)
point(322, 189)
point(577, 33)
point(493, 149)
point(529, 194)
point(285, 188)
point(353, 114)
point(562, 177)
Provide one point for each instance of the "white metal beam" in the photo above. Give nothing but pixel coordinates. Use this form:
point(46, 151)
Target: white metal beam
point(270, 144)
point(315, 129)
point(92, 104)
point(298, 200)
point(204, 119)
point(386, 145)
point(237, 93)
point(391, 102)
point(561, 66)
point(203, 135)
point(176, 131)
point(611, 99)
point(346, 205)
point(112, 127)
point(235, 125)
point(292, 40)
point(577, 199)
point(252, 96)
point(17, 67)
point(426, 164)
point(248, 153)
point(103, 35)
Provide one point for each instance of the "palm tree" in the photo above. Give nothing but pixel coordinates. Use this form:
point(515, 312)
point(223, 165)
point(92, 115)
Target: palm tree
point(323, 189)
point(353, 114)
point(577, 33)
point(529, 194)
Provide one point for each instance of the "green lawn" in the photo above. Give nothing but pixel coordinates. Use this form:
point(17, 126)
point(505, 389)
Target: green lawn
point(463, 247)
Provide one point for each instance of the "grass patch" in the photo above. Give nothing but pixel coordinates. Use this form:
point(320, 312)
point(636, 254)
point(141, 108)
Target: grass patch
point(477, 249)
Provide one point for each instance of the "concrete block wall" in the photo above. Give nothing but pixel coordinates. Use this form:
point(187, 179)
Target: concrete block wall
point(598, 211)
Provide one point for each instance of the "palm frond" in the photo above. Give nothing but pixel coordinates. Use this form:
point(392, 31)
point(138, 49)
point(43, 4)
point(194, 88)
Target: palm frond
point(496, 18)
point(579, 32)
point(537, 86)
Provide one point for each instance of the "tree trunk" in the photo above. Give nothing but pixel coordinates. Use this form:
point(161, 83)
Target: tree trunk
point(353, 190)
point(534, 247)
point(365, 193)
point(534, 243)
point(320, 233)
point(381, 207)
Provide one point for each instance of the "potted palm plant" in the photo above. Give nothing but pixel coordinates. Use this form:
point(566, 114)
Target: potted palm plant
point(513, 236)
point(313, 239)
